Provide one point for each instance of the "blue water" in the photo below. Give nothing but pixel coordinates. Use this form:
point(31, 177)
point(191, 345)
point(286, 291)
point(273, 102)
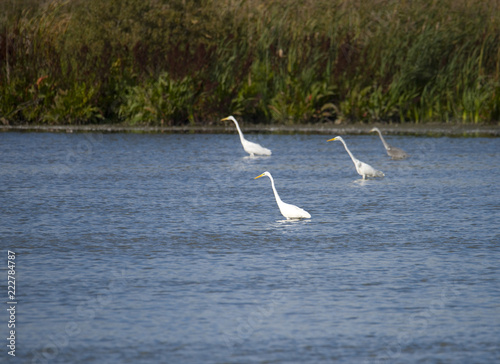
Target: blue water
point(164, 249)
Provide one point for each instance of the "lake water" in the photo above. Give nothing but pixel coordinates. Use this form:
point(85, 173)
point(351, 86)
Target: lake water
point(159, 248)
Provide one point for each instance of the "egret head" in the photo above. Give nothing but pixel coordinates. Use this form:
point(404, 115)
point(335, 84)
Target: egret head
point(266, 173)
point(229, 118)
point(374, 129)
point(336, 138)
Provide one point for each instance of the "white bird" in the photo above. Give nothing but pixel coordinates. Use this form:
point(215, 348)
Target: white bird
point(365, 170)
point(250, 147)
point(287, 210)
point(393, 152)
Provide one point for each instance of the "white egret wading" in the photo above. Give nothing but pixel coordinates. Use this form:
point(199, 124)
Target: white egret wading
point(393, 152)
point(365, 170)
point(250, 147)
point(287, 210)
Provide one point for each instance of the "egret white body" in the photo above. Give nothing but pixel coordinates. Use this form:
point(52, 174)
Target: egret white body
point(393, 152)
point(287, 210)
point(249, 147)
point(365, 170)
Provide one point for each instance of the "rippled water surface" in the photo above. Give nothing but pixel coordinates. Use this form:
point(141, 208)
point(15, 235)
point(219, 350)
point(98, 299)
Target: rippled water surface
point(164, 249)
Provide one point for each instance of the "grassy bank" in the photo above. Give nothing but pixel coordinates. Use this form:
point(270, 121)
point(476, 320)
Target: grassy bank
point(181, 62)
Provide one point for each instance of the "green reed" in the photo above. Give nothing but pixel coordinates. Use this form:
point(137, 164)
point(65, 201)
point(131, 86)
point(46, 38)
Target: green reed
point(294, 61)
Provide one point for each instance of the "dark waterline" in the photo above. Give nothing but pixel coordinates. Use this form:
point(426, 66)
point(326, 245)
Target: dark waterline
point(329, 128)
point(163, 248)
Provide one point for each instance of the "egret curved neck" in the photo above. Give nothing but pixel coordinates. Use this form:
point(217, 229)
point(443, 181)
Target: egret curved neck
point(239, 130)
point(383, 140)
point(348, 151)
point(278, 199)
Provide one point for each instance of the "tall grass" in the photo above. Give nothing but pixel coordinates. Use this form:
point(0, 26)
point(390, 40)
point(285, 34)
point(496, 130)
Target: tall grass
point(285, 61)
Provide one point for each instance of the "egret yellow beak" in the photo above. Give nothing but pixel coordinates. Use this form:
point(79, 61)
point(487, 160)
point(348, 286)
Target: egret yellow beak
point(224, 119)
point(259, 176)
point(329, 140)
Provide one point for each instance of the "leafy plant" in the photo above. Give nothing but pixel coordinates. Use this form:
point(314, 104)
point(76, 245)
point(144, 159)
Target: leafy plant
point(73, 106)
point(162, 102)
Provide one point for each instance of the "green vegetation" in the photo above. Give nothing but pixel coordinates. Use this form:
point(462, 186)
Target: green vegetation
point(171, 62)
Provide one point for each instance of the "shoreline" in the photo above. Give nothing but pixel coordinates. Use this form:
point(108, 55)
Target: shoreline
point(434, 130)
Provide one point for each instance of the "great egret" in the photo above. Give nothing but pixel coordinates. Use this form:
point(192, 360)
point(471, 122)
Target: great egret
point(287, 210)
point(250, 147)
point(393, 152)
point(365, 170)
